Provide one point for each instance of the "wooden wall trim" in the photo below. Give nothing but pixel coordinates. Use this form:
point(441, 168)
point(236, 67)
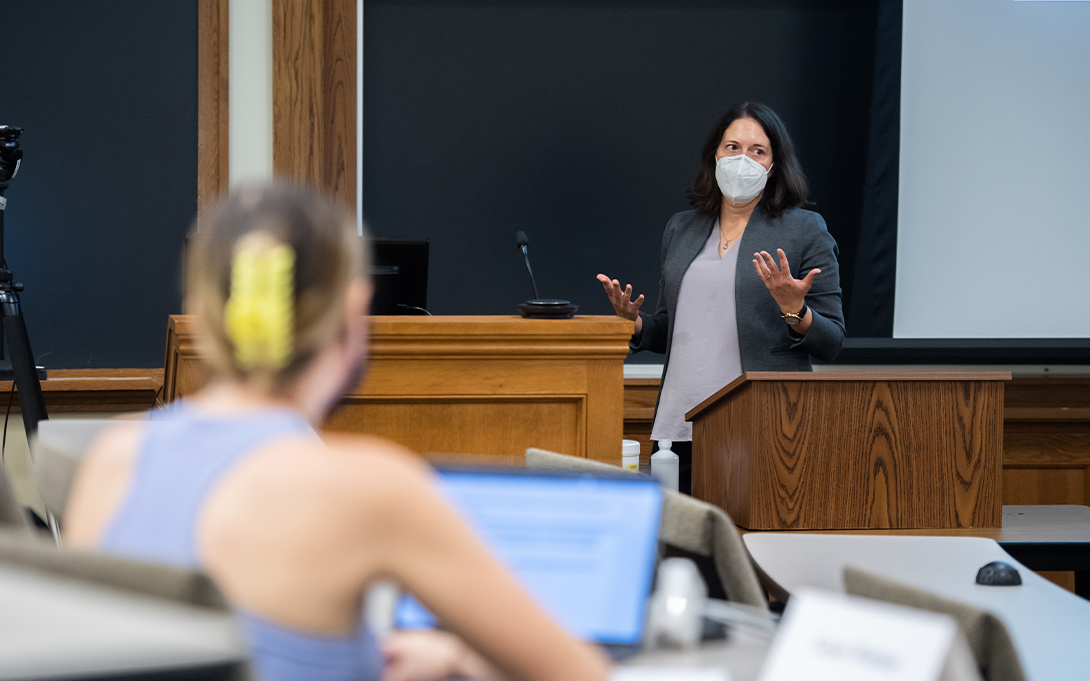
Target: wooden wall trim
point(74, 391)
point(314, 93)
point(212, 100)
point(1046, 446)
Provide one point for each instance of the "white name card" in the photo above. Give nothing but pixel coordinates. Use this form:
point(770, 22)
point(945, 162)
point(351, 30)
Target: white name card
point(834, 636)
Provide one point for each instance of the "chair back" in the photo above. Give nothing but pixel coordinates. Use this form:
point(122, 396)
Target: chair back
point(11, 513)
point(117, 580)
point(56, 452)
point(988, 638)
point(181, 585)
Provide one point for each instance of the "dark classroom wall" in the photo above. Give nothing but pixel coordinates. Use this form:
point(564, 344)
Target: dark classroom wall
point(581, 124)
point(578, 122)
point(107, 94)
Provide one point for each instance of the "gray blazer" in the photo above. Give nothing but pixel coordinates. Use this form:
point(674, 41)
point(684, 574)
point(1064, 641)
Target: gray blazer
point(764, 339)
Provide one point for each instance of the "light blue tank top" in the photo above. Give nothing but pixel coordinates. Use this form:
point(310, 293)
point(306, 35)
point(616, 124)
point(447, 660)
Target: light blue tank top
point(183, 456)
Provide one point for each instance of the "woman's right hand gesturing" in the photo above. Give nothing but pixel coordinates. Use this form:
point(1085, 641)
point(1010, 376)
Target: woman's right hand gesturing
point(622, 301)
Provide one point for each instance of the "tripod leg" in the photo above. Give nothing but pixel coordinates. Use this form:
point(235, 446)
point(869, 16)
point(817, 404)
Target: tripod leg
point(31, 400)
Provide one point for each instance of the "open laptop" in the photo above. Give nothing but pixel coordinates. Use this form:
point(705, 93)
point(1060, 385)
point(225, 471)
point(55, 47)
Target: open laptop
point(584, 546)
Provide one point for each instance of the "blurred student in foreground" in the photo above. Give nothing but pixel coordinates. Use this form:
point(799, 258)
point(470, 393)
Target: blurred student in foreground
point(294, 526)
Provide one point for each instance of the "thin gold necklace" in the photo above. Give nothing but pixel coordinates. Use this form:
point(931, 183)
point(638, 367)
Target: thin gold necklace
point(726, 240)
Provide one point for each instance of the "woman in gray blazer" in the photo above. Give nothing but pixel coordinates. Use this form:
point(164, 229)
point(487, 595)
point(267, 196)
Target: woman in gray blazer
point(718, 315)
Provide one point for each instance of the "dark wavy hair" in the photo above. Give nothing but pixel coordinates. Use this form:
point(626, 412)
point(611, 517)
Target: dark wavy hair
point(786, 188)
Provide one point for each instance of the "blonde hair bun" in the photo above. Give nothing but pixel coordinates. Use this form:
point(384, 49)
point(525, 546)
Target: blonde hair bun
point(267, 277)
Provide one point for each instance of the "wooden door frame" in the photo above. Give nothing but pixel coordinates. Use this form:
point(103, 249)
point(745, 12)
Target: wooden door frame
point(314, 95)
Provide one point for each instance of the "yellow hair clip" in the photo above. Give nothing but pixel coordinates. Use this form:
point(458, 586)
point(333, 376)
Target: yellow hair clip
point(259, 316)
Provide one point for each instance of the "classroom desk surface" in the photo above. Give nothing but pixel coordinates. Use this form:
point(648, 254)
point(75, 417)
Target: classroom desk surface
point(1050, 627)
point(741, 655)
point(52, 627)
point(1045, 537)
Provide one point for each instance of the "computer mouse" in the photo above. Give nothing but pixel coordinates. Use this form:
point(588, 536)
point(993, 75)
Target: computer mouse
point(998, 573)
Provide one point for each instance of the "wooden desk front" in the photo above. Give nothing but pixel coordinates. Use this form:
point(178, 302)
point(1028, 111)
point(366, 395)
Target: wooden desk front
point(852, 450)
point(475, 385)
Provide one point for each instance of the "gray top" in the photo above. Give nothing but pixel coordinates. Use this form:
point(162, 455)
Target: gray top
point(705, 349)
point(764, 341)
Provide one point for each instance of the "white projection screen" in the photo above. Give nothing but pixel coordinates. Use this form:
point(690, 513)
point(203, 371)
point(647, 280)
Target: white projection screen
point(993, 226)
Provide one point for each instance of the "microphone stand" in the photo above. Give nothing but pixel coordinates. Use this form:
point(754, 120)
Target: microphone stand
point(538, 307)
point(524, 247)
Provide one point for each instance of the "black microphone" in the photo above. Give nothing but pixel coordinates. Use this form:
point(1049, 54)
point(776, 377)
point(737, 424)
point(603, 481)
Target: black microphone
point(538, 307)
point(524, 246)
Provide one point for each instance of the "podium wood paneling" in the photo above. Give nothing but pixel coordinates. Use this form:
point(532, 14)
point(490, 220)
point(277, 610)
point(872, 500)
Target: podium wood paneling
point(474, 385)
point(853, 450)
point(1046, 435)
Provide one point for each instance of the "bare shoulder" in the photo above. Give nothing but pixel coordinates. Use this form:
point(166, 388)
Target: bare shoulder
point(100, 484)
point(366, 445)
point(342, 496)
point(391, 485)
point(341, 473)
point(378, 462)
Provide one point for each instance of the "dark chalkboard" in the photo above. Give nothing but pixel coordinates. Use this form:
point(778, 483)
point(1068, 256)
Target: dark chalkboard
point(107, 94)
point(581, 123)
point(577, 122)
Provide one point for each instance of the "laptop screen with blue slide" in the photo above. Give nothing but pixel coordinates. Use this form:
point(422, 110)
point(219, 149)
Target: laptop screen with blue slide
point(584, 546)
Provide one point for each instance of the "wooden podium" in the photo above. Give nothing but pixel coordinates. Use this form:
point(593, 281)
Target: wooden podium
point(472, 385)
point(852, 450)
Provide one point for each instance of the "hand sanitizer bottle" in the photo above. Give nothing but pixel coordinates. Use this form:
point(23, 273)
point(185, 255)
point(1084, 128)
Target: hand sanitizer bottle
point(664, 465)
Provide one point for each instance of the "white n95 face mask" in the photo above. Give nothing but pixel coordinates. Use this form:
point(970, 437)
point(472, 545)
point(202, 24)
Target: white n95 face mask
point(740, 178)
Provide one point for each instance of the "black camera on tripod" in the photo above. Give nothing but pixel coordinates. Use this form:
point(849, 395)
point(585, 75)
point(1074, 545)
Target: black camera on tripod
point(10, 153)
point(18, 361)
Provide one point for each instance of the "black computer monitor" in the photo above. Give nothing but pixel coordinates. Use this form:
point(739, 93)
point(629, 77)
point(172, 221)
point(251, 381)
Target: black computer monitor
point(399, 270)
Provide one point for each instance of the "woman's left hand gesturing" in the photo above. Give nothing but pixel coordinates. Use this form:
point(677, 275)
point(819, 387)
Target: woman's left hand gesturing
point(789, 292)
